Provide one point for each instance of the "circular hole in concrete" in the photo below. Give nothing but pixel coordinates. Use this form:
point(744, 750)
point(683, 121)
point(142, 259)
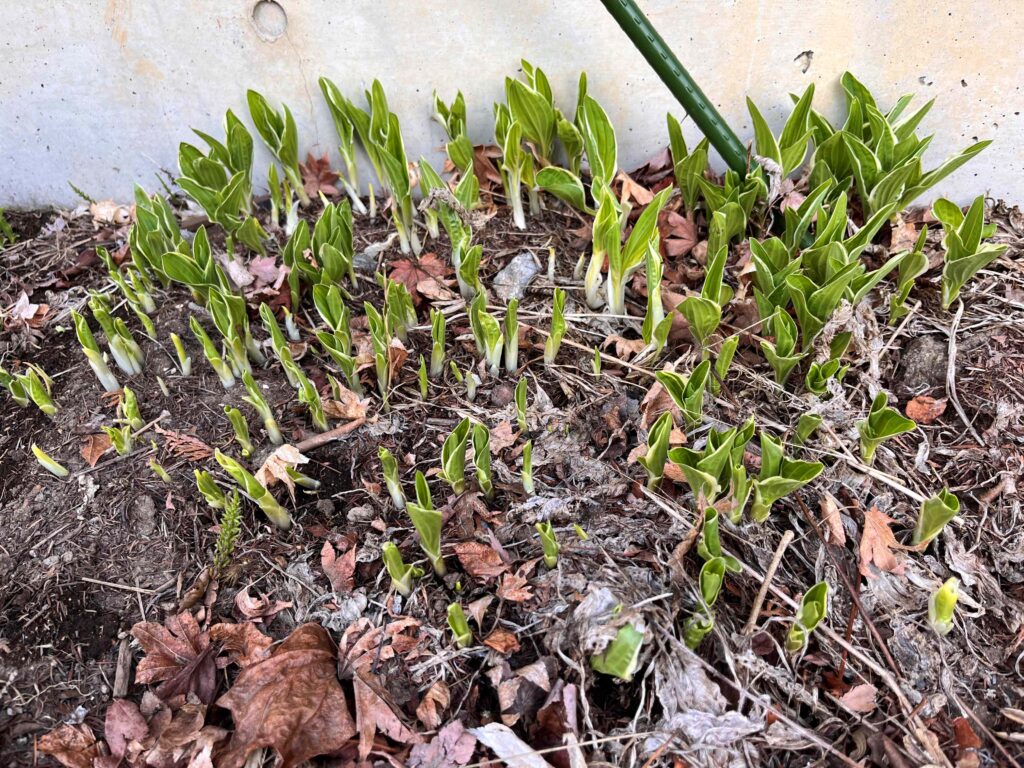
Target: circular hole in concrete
point(269, 20)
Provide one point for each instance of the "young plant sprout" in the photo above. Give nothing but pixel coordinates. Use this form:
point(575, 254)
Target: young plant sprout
point(129, 407)
point(781, 353)
point(806, 426)
point(710, 580)
point(259, 403)
point(281, 137)
point(231, 319)
point(309, 396)
point(49, 464)
point(437, 329)
point(453, 457)
point(657, 449)
point(722, 363)
point(280, 345)
point(622, 655)
point(935, 513)
point(184, 361)
point(389, 465)
point(424, 380)
point(528, 468)
point(965, 253)
point(941, 606)
point(912, 266)
point(789, 150)
point(623, 261)
point(512, 336)
point(520, 399)
point(256, 493)
point(687, 392)
point(596, 362)
point(468, 270)
point(482, 459)
point(400, 313)
point(227, 536)
point(459, 626)
point(241, 428)
point(718, 468)
point(881, 424)
point(334, 346)
point(516, 162)
point(427, 523)
point(779, 476)
point(423, 497)
point(158, 470)
point(381, 339)
point(93, 354)
point(340, 113)
point(123, 348)
point(554, 340)
point(710, 545)
point(222, 369)
point(487, 331)
point(38, 386)
point(813, 607)
point(656, 324)
point(209, 489)
point(548, 543)
point(819, 374)
point(402, 575)
point(704, 312)
point(15, 387)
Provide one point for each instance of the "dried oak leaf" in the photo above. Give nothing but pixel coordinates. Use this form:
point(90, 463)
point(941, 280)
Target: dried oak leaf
point(877, 543)
point(291, 702)
point(178, 656)
point(94, 446)
point(678, 233)
point(184, 446)
point(244, 642)
point(73, 746)
point(480, 560)
point(925, 409)
point(374, 714)
point(318, 177)
point(340, 570)
point(435, 701)
point(452, 747)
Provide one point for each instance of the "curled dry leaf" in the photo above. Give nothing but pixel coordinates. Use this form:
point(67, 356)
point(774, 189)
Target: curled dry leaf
point(925, 409)
point(832, 520)
point(630, 191)
point(374, 714)
point(502, 436)
point(502, 641)
point(109, 213)
point(515, 589)
point(349, 407)
point(340, 570)
point(94, 446)
point(860, 698)
point(290, 702)
point(178, 656)
point(480, 560)
point(24, 313)
point(435, 701)
point(244, 642)
point(678, 233)
point(123, 725)
point(258, 609)
point(877, 544)
point(275, 468)
point(73, 746)
point(423, 277)
point(452, 747)
point(318, 177)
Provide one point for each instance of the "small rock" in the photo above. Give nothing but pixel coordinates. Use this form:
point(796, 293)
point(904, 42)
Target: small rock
point(922, 369)
point(361, 514)
point(143, 514)
point(512, 281)
point(502, 395)
point(325, 507)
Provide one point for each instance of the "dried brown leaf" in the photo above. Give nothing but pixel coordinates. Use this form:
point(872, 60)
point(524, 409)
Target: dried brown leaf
point(340, 570)
point(374, 714)
point(73, 746)
point(94, 446)
point(244, 642)
point(122, 725)
point(258, 608)
point(275, 468)
point(925, 409)
point(515, 589)
point(318, 177)
point(435, 701)
point(502, 436)
point(502, 641)
point(877, 543)
point(860, 698)
point(830, 516)
point(480, 560)
point(421, 276)
point(178, 656)
point(452, 747)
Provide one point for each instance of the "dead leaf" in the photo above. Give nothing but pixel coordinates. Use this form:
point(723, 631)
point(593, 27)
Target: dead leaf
point(904, 236)
point(452, 747)
point(502, 641)
point(258, 609)
point(515, 589)
point(275, 468)
point(109, 213)
point(422, 277)
point(340, 570)
point(73, 746)
point(291, 702)
point(925, 409)
point(860, 698)
point(435, 702)
point(24, 313)
point(171, 737)
point(94, 446)
point(123, 724)
point(877, 543)
point(184, 446)
point(244, 642)
point(178, 656)
point(348, 408)
point(318, 177)
point(678, 233)
point(483, 166)
point(478, 609)
point(397, 355)
point(502, 436)
point(832, 520)
point(480, 560)
point(504, 743)
point(631, 191)
point(625, 349)
point(373, 714)
point(656, 402)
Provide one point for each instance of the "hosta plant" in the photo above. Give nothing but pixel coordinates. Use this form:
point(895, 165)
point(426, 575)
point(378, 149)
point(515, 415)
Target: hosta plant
point(965, 253)
point(702, 621)
point(123, 347)
point(703, 312)
point(34, 384)
point(657, 449)
point(128, 408)
point(942, 605)
point(622, 655)
point(806, 426)
point(437, 330)
point(511, 332)
point(256, 493)
point(389, 465)
point(528, 468)
point(554, 340)
point(453, 457)
point(688, 166)
point(935, 513)
point(259, 403)
point(49, 464)
point(812, 611)
point(656, 323)
point(516, 163)
point(184, 360)
point(819, 374)
point(726, 352)
point(625, 259)
point(779, 476)
point(488, 333)
point(913, 265)
point(687, 392)
point(709, 546)
point(402, 575)
point(15, 387)
point(520, 400)
point(278, 131)
point(337, 105)
point(212, 355)
point(120, 438)
point(548, 543)
point(781, 353)
point(208, 487)
point(427, 523)
point(881, 424)
point(788, 151)
point(717, 469)
point(459, 626)
point(482, 459)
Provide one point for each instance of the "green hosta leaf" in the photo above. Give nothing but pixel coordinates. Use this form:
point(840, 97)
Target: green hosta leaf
point(427, 523)
point(942, 605)
point(453, 457)
point(535, 113)
point(687, 392)
point(703, 316)
point(934, 514)
point(621, 656)
point(657, 449)
point(402, 575)
point(459, 626)
point(812, 611)
point(564, 185)
point(764, 140)
point(599, 142)
point(881, 424)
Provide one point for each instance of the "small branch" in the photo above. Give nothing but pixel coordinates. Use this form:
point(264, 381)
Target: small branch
point(326, 437)
point(762, 593)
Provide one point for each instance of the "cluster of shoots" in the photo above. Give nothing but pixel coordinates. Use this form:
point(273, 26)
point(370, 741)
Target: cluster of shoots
point(710, 580)
point(122, 345)
point(31, 386)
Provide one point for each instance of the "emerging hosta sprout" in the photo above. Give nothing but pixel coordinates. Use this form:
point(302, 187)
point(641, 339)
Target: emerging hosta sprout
point(423, 379)
point(335, 346)
point(656, 324)
point(516, 162)
point(813, 607)
point(935, 513)
point(520, 399)
point(129, 407)
point(789, 150)
point(427, 523)
point(401, 574)
point(93, 354)
point(912, 266)
point(487, 331)
point(881, 424)
point(623, 261)
point(309, 396)
point(687, 392)
point(340, 113)
point(49, 464)
point(622, 655)
point(159, 471)
point(781, 353)
point(657, 449)
point(279, 133)
point(241, 428)
point(779, 476)
point(965, 253)
point(184, 361)
point(459, 626)
point(14, 385)
point(38, 386)
point(222, 369)
point(453, 457)
point(390, 467)
point(259, 403)
point(548, 543)
point(423, 497)
point(208, 487)
point(468, 270)
point(252, 488)
point(710, 580)
point(399, 310)
point(512, 336)
point(482, 459)
point(528, 468)
point(381, 339)
point(722, 363)
point(942, 604)
point(704, 312)
point(230, 527)
point(710, 545)
point(806, 426)
point(232, 320)
point(121, 438)
point(279, 344)
point(123, 347)
point(819, 375)
point(595, 364)
point(718, 467)
point(437, 329)
point(554, 340)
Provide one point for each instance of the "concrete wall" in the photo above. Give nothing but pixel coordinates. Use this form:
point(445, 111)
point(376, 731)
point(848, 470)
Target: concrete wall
point(99, 92)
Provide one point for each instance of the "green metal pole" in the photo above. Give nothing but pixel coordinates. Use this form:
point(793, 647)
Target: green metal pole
point(647, 40)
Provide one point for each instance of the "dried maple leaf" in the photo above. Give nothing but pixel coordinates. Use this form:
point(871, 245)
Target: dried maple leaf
point(184, 446)
point(925, 409)
point(420, 276)
point(515, 589)
point(435, 701)
point(678, 233)
point(275, 468)
point(122, 725)
point(73, 746)
point(94, 446)
point(480, 560)
point(318, 177)
point(374, 714)
point(877, 543)
point(244, 642)
point(340, 570)
point(178, 656)
point(452, 747)
point(291, 702)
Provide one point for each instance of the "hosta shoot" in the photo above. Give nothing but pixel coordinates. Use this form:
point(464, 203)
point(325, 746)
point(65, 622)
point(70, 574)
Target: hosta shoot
point(554, 340)
point(389, 465)
point(423, 497)
point(781, 353)
point(427, 523)
point(548, 543)
point(15, 387)
point(812, 611)
point(482, 459)
point(437, 333)
point(704, 312)
point(259, 403)
point(487, 332)
point(38, 385)
point(717, 468)
point(51, 466)
point(241, 429)
point(710, 580)
point(656, 324)
point(942, 605)
point(453, 457)
point(123, 347)
point(965, 253)
point(881, 424)
point(779, 476)
point(424, 379)
point(657, 449)
point(723, 362)
point(520, 399)
point(120, 438)
point(624, 260)
point(621, 657)
point(788, 151)
point(912, 266)
point(256, 493)
point(819, 374)
point(209, 489)
point(402, 575)
point(184, 360)
point(278, 131)
point(337, 104)
point(221, 368)
point(935, 513)
point(129, 408)
point(511, 331)
point(528, 468)
point(687, 392)
point(459, 626)
point(806, 426)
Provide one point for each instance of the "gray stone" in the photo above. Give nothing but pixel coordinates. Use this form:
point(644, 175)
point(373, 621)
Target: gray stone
point(922, 369)
point(512, 281)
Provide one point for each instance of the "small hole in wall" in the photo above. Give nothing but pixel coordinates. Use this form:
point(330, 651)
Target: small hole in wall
point(269, 20)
